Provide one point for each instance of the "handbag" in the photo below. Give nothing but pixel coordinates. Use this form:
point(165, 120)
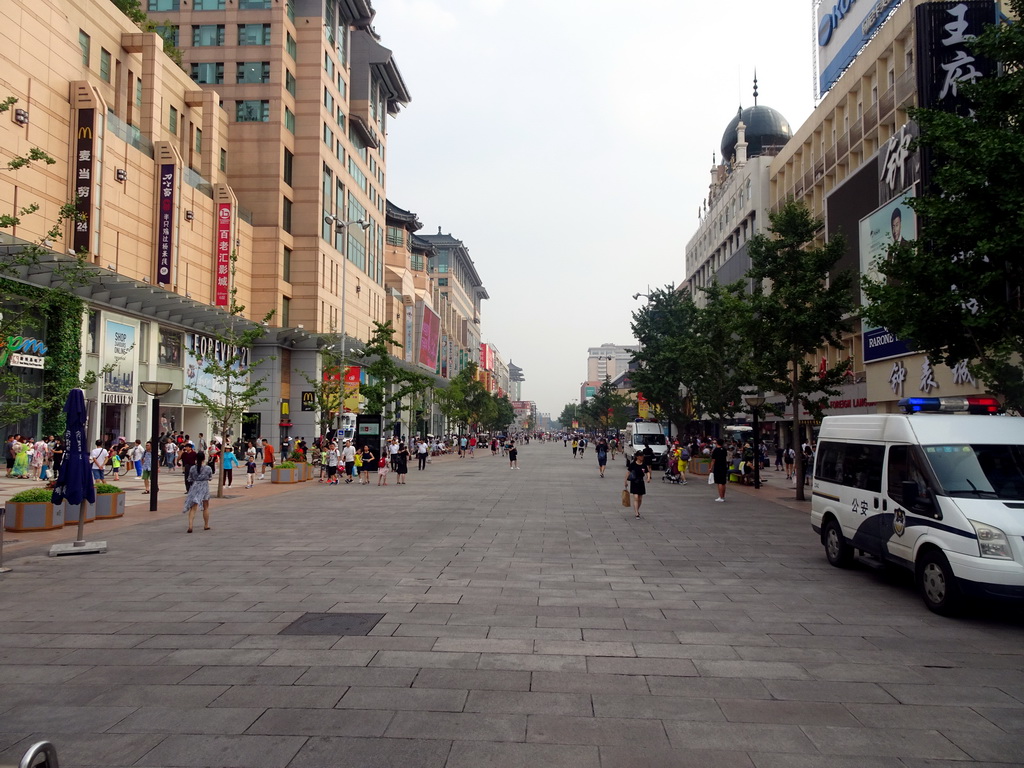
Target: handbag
point(625, 497)
point(711, 477)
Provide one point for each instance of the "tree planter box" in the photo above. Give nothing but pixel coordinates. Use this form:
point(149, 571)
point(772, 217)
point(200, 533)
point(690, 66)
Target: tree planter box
point(699, 466)
point(290, 475)
point(109, 506)
point(20, 517)
point(308, 470)
point(71, 512)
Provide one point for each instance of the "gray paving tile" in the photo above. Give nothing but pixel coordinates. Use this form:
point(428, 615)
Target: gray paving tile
point(559, 729)
point(738, 736)
point(910, 716)
point(666, 757)
point(192, 751)
point(311, 658)
point(800, 690)
point(528, 702)
point(463, 726)
point(1003, 748)
point(656, 707)
point(951, 695)
point(371, 753)
point(322, 722)
point(185, 720)
point(883, 742)
point(417, 699)
point(68, 695)
point(568, 682)
point(471, 679)
point(1008, 720)
point(158, 696)
point(425, 659)
point(279, 696)
point(762, 760)
point(233, 675)
point(474, 755)
point(521, 661)
point(646, 666)
point(57, 717)
point(340, 677)
point(786, 712)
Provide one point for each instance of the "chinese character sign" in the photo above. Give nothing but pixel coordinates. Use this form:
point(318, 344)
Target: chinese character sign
point(222, 277)
point(165, 224)
point(944, 62)
point(83, 180)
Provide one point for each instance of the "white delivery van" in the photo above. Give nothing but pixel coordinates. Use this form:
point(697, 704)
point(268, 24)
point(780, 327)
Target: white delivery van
point(640, 434)
point(938, 490)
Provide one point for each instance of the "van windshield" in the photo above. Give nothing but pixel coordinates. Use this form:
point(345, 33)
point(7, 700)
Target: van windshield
point(978, 471)
point(652, 439)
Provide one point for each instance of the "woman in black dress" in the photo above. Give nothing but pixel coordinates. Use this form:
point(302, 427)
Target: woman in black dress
point(636, 472)
point(402, 464)
point(720, 467)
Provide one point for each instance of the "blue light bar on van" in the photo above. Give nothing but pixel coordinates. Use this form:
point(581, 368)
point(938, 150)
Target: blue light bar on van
point(971, 404)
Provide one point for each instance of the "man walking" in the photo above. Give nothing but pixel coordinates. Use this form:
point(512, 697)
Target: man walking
point(421, 454)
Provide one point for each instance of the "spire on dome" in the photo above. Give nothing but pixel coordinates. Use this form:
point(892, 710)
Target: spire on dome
point(755, 87)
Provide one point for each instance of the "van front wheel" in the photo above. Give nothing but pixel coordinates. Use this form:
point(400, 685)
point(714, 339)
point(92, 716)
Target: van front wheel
point(939, 588)
point(838, 552)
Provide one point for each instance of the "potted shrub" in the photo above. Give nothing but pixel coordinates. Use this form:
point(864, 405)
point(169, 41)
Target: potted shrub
point(109, 501)
point(31, 510)
point(285, 472)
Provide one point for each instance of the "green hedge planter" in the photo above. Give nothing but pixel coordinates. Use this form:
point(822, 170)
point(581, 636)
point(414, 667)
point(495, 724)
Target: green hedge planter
point(109, 502)
point(285, 472)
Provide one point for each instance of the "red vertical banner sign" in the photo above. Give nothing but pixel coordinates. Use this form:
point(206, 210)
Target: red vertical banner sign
point(83, 180)
point(222, 283)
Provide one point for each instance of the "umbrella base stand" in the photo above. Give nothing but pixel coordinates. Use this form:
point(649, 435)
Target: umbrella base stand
point(79, 548)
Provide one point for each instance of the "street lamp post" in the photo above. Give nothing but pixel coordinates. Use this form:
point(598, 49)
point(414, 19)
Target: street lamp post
point(156, 390)
point(755, 401)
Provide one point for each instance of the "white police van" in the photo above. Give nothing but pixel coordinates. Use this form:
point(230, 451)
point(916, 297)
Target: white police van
point(938, 490)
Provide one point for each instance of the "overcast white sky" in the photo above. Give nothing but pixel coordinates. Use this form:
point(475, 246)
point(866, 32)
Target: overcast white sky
point(568, 144)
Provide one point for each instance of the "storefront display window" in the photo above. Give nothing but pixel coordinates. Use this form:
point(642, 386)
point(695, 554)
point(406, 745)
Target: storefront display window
point(170, 348)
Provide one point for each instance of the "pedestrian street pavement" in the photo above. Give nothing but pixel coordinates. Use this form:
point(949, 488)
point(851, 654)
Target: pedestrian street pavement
point(512, 618)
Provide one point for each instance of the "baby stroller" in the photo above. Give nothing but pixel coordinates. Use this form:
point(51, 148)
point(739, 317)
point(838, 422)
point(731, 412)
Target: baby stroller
point(672, 473)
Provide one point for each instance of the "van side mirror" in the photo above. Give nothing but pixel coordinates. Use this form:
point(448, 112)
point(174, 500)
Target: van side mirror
point(908, 489)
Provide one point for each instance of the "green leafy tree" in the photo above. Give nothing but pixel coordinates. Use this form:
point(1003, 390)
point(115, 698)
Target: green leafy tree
point(799, 305)
point(464, 402)
point(663, 327)
point(719, 351)
point(969, 224)
point(234, 390)
point(608, 407)
point(388, 384)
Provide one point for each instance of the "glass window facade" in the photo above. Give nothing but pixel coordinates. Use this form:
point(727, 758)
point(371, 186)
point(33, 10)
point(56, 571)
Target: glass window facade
point(208, 72)
point(172, 121)
point(207, 34)
point(162, 5)
point(253, 72)
point(286, 215)
point(254, 34)
point(105, 65)
point(289, 44)
point(85, 43)
point(289, 119)
point(253, 5)
point(289, 162)
point(207, 5)
point(252, 111)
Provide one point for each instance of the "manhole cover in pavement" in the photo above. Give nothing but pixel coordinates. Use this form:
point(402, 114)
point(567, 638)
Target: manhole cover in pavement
point(333, 624)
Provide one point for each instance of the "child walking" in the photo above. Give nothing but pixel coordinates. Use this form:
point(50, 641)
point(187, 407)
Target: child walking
point(250, 471)
point(382, 471)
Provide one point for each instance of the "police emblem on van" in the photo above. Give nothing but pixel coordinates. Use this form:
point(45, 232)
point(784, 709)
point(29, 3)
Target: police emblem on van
point(899, 522)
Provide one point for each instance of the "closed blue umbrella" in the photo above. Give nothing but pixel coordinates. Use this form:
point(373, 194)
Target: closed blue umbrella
point(74, 484)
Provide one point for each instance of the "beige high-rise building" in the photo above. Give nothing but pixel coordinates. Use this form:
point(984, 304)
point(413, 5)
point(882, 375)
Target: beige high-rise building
point(143, 151)
point(308, 90)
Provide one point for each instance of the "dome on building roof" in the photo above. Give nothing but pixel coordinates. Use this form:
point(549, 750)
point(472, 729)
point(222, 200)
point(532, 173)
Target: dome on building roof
point(765, 127)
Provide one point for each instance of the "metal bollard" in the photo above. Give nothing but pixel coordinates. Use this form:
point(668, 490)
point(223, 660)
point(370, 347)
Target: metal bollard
point(40, 755)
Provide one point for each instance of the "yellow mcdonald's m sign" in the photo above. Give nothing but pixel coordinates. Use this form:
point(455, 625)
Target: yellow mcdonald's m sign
point(85, 132)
